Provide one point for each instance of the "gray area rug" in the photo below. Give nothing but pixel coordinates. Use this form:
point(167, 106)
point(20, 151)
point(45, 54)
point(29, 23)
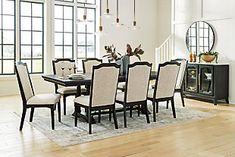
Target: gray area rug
point(66, 134)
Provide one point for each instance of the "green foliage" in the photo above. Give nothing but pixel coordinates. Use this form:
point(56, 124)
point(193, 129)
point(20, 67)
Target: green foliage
point(209, 53)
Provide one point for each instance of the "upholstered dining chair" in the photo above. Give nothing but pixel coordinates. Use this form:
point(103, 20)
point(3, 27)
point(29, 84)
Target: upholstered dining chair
point(64, 67)
point(30, 100)
point(103, 92)
point(125, 62)
point(136, 90)
point(164, 86)
point(89, 63)
point(180, 79)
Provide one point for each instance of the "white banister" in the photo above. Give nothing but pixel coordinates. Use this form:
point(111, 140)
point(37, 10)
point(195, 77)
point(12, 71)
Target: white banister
point(164, 52)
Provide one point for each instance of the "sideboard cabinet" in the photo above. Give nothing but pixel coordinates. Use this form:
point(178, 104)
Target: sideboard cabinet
point(207, 81)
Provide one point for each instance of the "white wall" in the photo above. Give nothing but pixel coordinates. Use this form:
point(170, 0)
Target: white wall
point(221, 15)
point(146, 17)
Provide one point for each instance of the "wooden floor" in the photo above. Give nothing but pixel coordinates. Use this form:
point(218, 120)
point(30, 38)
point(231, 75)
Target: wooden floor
point(212, 137)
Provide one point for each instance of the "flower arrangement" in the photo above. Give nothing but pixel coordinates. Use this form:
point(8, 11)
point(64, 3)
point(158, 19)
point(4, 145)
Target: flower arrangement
point(208, 56)
point(137, 52)
point(112, 55)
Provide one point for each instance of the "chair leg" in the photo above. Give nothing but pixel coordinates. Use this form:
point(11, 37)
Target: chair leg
point(131, 107)
point(31, 114)
point(110, 115)
point(59, 112)
point(182, 98)
point(89, 120)
point(138, 110)
point(64, 100)
point(52, 118)
point(76, 115)
point(99, 116)
point(115, 118)
point(124, 110)
point(167, 104)
point(154, 110)
point(173, 107)
point(147, 114)
point(157, 107)
point(22, 118)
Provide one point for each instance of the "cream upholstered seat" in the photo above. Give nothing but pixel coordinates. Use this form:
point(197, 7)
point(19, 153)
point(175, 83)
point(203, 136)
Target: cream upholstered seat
point(164, 86)
point(44, 99)
point(136, 88)
point(30, 100)
point(103, 92)
point(64, 67)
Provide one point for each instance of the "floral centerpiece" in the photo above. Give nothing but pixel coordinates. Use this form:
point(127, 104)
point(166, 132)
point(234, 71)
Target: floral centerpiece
point(112, 54)
point(209, 56)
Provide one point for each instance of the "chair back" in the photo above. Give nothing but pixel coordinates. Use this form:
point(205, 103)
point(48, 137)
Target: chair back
point(180, 78)
point(166, 80)
point(138, 76)
point(24, 81)
point(104, 84)
point(89, 63)
point(64, 66)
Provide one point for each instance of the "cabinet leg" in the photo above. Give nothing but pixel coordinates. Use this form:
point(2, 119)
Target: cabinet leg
point(227, 101)
point(215, 102)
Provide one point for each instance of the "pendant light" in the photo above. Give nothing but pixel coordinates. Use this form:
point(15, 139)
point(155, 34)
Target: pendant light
point(134, 24)
point(117, 18)
point(107, 11)
point(100, 27)
point(84, 17)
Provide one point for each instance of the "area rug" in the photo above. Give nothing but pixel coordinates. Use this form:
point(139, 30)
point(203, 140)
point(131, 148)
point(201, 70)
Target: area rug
point(66, 134)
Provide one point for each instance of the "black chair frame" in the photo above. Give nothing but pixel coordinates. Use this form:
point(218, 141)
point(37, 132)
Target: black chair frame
point(89, 108)
point(52, 107)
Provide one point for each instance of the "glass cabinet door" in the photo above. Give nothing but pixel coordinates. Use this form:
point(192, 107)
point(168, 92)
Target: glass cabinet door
point(191, 79)
point(206, 80)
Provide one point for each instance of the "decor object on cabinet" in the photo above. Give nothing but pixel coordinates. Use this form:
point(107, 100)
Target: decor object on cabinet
point(207, 81)
point(208, 56)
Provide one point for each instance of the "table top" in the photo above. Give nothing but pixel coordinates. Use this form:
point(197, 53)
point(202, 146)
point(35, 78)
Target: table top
point(66, 81)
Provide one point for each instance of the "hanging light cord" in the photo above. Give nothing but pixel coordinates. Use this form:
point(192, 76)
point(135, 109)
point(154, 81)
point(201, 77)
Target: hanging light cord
point(107, 4)
point(134, 10)
point(117, 19)
point(100, 27)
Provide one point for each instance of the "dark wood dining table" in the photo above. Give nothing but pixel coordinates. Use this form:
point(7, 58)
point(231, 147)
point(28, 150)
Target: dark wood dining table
point(86, 80)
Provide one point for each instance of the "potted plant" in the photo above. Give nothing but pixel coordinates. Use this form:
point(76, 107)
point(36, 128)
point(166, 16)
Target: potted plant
point(208, 56)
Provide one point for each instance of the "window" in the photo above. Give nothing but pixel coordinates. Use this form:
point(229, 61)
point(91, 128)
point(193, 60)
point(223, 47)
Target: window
point(86, 39)
point(7, 36)
point(83, 34)
point(31, 35)
point(64, 31)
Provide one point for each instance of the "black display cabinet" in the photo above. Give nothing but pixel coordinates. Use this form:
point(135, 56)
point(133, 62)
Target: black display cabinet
point(207, 81)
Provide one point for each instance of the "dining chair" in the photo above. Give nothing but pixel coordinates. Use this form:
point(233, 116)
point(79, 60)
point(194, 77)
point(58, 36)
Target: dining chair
point(180, 79)
point(136, 88)
point(88, 63)
point(30, 100)
point(164, 86)
point(125, 62)
point(62, 68)
point(103, 92)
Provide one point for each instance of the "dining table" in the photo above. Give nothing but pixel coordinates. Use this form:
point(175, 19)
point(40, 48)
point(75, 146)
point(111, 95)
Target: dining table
point(85, 80)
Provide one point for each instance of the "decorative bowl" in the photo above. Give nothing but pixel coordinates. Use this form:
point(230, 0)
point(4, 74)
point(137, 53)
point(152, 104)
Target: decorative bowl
point(208, 58)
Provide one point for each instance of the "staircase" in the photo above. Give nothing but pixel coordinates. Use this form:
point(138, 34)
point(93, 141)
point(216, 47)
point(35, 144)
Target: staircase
point(164, 52)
